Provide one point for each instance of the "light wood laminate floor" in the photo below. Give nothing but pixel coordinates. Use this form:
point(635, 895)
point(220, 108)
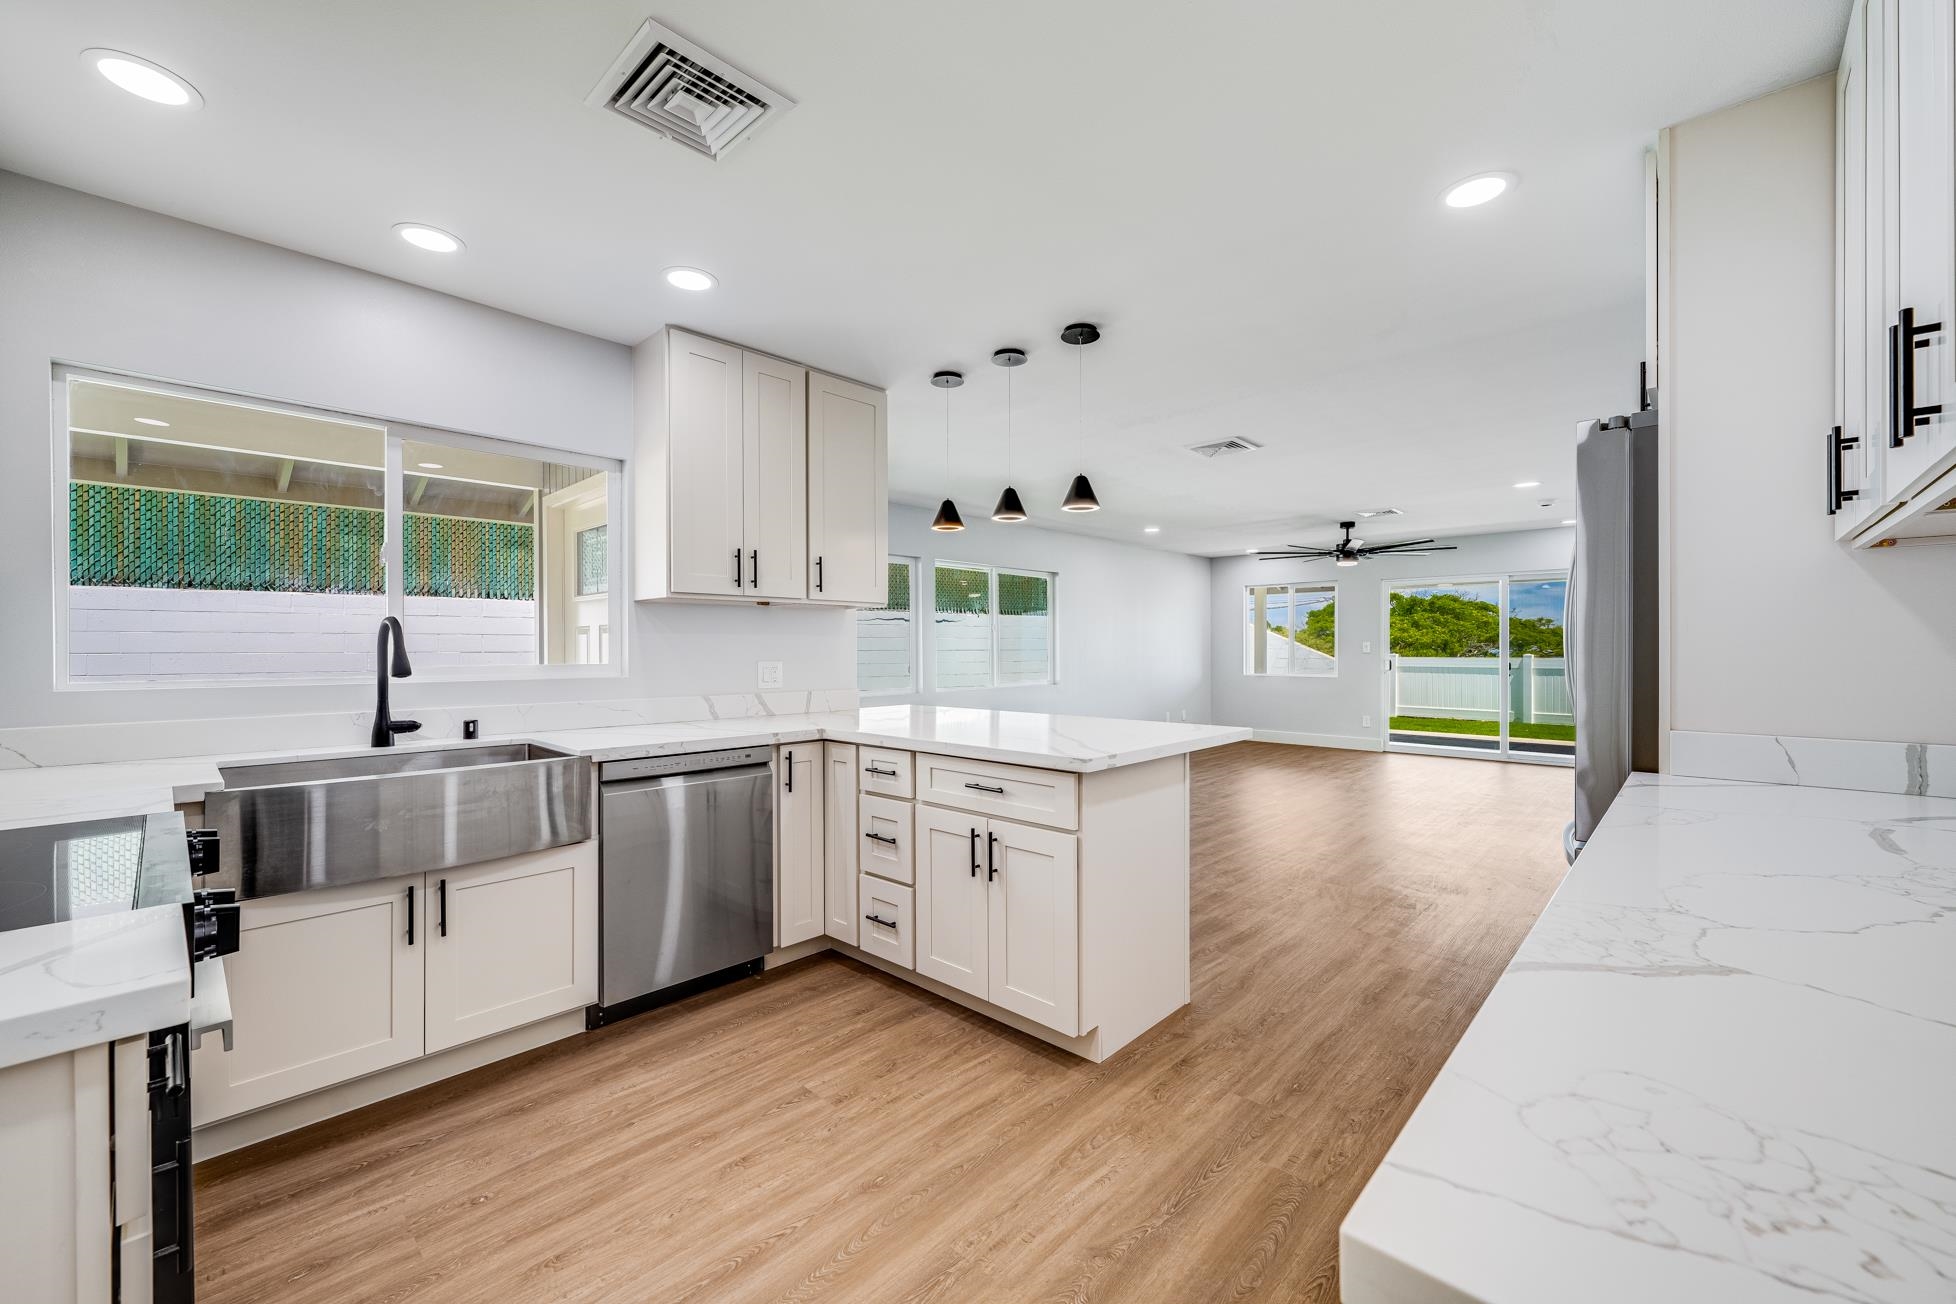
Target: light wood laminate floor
point(829, 1133)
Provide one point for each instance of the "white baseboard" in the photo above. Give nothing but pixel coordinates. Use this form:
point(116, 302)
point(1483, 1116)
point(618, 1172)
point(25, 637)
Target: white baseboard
point(795, 951)
point(1350, 742)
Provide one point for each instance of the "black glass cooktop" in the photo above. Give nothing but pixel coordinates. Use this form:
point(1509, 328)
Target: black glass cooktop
point(57, 872)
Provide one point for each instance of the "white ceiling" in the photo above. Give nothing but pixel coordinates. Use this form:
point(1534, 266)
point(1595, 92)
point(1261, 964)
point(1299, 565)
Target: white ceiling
point(1244, 195)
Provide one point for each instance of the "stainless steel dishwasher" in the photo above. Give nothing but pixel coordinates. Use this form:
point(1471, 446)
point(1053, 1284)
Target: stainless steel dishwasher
point(686, 875)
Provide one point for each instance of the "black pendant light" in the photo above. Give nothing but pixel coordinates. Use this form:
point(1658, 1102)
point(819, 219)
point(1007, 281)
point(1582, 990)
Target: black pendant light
point(948, 521)
point(1079, 495)
point(1009, 509)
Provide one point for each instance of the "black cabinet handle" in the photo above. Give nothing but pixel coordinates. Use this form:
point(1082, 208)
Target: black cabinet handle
point(818, 574)
point(888, 774)
point(1904, 338)
point(788, 768)
point(881, 837)
point(878, 919)
point(986, 787)
point(441, 907)
point(991, 856)
point(1836, 445)
point(974, 853)
point(754, 568)
point(410, 914)
point(737, 583)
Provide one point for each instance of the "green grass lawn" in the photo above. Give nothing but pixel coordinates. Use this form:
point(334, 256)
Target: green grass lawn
point(1563, 733)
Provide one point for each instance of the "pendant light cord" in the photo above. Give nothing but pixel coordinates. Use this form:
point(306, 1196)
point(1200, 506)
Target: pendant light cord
point(1008, 425)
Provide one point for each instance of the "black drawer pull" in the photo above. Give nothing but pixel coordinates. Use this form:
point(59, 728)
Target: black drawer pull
point(986, 787)
point(1903, 340)
point(878, 919)
point(441, 906)
point(881, 837)
point(888, 774)
point(410, 913)
point(737, 583)
point(1836, 445)
point(974, 853)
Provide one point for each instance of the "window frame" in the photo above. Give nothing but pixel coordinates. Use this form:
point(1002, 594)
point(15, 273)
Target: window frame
point(915, 638)
point(1291, 588)
point(393, 434)
point(992, 683)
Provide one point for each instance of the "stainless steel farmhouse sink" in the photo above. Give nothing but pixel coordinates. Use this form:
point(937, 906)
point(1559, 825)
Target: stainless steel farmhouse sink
point(289, 826)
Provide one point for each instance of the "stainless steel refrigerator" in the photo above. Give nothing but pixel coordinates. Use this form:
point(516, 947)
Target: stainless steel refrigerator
point(1613, 613)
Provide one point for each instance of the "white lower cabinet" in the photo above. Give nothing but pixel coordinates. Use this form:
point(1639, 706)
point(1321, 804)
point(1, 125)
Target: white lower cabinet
point(888, 922)
point(512, 942)
point(998, 913)
point(798, 843)
point(332, 985)
point(325, 986)
point(884, 845)
point(839, 841)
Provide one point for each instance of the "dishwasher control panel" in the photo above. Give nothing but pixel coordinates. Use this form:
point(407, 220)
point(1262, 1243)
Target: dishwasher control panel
point(651, 767)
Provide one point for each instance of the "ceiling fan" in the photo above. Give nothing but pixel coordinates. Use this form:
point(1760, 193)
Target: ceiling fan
point(1347, 551)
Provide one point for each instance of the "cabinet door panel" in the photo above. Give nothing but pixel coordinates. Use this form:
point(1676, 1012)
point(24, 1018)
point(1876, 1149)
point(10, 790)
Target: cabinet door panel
point(798, 850)
point(951, 910)
point(848, 493)
point(884, 847)
point(521, 943)
point(774, 418)
point(1924, 223)
point(325, 987)
point(839, 842)
point(1851, 281)
point(1035, 924)
point(706, 490)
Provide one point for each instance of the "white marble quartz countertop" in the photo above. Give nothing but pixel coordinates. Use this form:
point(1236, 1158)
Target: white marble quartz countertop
point(1056, 742)
point(61, 793)
point(87, 981)
point(1721, 1068)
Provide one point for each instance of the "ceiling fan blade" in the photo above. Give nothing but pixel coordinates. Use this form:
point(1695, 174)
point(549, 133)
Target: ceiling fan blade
point(1300, 554)
point(1409, 543)
point(1411, 552)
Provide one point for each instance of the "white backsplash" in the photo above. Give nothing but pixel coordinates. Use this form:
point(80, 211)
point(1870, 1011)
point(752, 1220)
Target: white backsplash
point(1912, 769)
point(83, 744)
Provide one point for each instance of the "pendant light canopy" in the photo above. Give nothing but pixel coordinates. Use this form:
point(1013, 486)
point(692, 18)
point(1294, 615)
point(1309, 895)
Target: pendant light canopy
point(948, 521)
point(1009, 509)
point(1080, 495)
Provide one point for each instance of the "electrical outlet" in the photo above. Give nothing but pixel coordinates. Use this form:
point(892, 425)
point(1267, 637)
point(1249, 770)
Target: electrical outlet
point(770, 674)
point(1365, 721)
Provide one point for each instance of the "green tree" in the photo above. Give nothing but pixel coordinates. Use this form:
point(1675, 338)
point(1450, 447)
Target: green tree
point(1534, 636)
point(1449, 625)
point(1320, 629)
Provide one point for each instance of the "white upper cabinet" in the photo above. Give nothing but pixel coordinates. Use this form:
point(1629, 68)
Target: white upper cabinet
point(755, 479)
point(774, 416)
point(848, 492)
point(1894, 463)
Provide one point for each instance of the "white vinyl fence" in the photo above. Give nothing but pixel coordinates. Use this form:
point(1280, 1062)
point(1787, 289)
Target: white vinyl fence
point(962, 645)
point(883, 642)
point(1469, 688)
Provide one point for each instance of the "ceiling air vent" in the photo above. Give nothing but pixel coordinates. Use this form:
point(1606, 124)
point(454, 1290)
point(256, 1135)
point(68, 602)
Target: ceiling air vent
point(1382, 511)
point(1222, 447)
point(665, 82)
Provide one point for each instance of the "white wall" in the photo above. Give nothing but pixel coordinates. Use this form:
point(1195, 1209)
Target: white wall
point(1774, 628)
point(1132, 637)
point(87, 281)
point(1329, 710)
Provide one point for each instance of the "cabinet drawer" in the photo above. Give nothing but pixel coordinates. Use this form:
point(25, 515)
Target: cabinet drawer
point(885, 772)
point(886, 920)
point(1014, 791)
point(885, 841)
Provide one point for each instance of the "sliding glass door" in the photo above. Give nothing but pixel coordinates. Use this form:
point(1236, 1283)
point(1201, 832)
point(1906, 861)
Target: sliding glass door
point(1476, 667)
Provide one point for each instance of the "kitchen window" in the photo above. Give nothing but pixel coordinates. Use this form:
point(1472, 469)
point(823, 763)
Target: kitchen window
point(886, 638)
point(1291, 629)
point(991, 626)
point(215, 538)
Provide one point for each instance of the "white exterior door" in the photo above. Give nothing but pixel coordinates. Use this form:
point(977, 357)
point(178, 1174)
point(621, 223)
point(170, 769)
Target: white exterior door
point(774, 420)
point(952, 914)
point(510, 942)
point(798, 850)
point(1923, 227)
point(848, 492)
point(839, 841)
point(325, 986)
point(707, 487)
point(1035, 924)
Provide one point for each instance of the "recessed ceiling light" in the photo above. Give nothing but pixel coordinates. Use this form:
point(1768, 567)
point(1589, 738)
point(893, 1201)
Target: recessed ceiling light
point(429, 466)
point(151, 81)
point(152, 421)
point(1151, 529)
point(432, 238)
point(1570, 521)
point(689, 278)
point(1477, 190)
point(1528, 484)
point(1249, 552)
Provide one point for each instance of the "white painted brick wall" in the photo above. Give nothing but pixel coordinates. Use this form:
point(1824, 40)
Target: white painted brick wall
point(130, 633)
